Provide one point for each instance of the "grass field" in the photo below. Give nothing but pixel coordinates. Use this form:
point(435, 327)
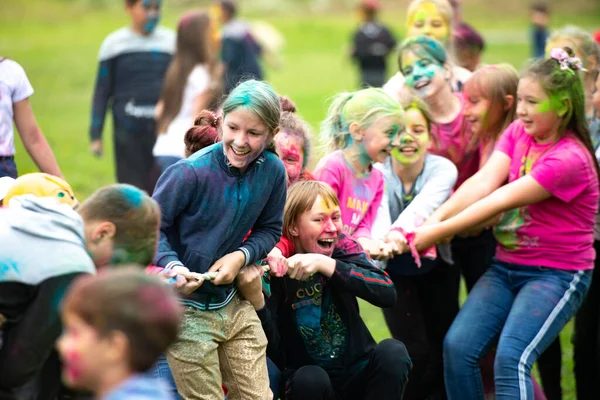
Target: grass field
point(57, 41)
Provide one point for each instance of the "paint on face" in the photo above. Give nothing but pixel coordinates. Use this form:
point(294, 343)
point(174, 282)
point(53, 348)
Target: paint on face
point(152, 9)
point(414, 141)
point(318, 229)
point(536, 110)
point(596, 95)
point(381, 137)
point(422, 73)
point(244, 137)
point(478, 112)
point(80, 352)
point(428, 21)
point(290, 149)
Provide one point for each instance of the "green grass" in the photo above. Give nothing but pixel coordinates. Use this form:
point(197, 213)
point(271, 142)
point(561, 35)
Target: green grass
point(57, 41)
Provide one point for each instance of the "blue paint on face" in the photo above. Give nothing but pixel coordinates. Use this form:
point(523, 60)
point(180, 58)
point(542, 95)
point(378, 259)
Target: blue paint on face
point(133, 195)
point(153, 10)
point(419, 71)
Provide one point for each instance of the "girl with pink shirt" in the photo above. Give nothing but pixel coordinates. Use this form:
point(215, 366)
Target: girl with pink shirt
point(362, 128)
point(545, 255)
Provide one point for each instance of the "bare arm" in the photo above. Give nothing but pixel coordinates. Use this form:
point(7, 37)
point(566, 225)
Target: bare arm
point(33, 138)
point(493, 174)
point(523, 191)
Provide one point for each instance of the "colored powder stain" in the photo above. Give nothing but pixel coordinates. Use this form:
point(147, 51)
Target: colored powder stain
point(325, 206)
point(133, 195)
point(420, 15)
point(544, 106)
point(72, 366)
point(8, 269)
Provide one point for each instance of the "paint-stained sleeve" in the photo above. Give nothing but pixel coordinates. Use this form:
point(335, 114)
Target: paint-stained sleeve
point(286, 247)
point(364, 227)
point(266, 232)
point(179, 178)
point(356, 273)
point(102, 96)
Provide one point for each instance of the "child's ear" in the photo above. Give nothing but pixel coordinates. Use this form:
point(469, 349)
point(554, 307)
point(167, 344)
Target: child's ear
point(447, 72)
point(564, 107)
point(294, 230)
point(509, 100)
point(118, 346)
point(356, 132)
point(104, 230)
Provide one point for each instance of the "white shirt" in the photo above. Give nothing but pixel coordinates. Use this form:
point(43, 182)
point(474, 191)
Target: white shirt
point(170, 143)
point(14, 87)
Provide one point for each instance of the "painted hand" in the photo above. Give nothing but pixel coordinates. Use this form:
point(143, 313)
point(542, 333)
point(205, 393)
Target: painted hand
point(303, 266)
point(227, 267)
point(182, 279)
point(397, 241)
point(249, 283)
point(277, 262)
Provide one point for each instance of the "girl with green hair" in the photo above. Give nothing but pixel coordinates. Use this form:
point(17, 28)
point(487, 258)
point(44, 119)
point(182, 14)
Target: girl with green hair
point(361, 129)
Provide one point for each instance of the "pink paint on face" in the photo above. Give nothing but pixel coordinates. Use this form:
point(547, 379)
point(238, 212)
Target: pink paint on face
point(318, 230)
point(290, 148)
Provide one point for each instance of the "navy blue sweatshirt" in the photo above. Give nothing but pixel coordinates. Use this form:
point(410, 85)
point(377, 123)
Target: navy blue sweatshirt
point(208, 207)
point(130, 77)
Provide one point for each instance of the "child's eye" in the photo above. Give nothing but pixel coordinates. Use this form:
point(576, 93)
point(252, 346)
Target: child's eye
point(254, 133)
point(436, 23)
point(290, 160)
point(418, 24)
point(319, 220)
point(407, 71)
point(233, 128)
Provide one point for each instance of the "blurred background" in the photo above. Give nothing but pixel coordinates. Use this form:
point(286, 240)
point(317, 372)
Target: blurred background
point(57, 42)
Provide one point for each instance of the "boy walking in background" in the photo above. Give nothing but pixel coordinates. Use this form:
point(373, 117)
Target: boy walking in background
point(133, 61)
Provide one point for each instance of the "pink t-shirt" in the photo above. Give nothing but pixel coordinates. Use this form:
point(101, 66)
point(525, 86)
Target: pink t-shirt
point(454, 141)
point(359, 196)
point(557, 232)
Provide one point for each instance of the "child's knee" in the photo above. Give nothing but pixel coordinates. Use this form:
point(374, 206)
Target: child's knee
point(392, 357)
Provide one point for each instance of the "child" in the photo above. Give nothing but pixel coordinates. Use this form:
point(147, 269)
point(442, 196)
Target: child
point(372, 43)
point(432, 18)
point(416, 183)
point(190, 86)
point(587, 50)
point(240, 52)
point(469, 46)
point(490, 105)
point(133, 61)
point(117, 224)
point(362, 128)
point(316, 334)
point(15, 91)
point(115, 326)
point(539, 14)
point(424, 63)
point(243, 188)
point(545, 253)
point(292, 144)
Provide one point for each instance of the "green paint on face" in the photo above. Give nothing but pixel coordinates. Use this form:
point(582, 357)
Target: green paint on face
point(420, 15)
point(544, 106)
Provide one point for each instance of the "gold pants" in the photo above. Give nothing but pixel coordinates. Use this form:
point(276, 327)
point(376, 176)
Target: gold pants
point(226, 346)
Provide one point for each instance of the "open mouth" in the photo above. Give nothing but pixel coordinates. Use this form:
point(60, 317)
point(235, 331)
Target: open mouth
point(422, 84)
point(240, 153)
point(408, 150)
point(326, 244)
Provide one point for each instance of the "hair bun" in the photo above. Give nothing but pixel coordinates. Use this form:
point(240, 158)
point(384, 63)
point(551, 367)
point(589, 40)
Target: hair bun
point(287, 104)
point(205, 132)
point(569, 51)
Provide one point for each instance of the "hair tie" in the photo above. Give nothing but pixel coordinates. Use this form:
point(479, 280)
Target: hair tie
point(565, 61)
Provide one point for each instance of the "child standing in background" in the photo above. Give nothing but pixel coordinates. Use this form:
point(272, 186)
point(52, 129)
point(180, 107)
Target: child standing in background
point(221, 339)
point(15, 91)
point(362, 128)
point(372, 43)
point(191, 85)
point(133, 61)
point(539, 14)
point(115, 326)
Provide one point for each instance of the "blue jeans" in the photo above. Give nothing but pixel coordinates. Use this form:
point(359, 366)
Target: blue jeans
point(526, 307)
point(162, 371)
point(8, 167)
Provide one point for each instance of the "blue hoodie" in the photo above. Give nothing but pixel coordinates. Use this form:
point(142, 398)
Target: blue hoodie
point(208, 207)
point(140, 387)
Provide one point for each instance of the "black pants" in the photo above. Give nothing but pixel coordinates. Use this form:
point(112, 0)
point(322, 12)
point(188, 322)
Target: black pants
point(383, 378)
point(425, 307)
point(28, 343)
point(586, 349)
point(372, 77)
point(474, 255)
point(133, 158)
